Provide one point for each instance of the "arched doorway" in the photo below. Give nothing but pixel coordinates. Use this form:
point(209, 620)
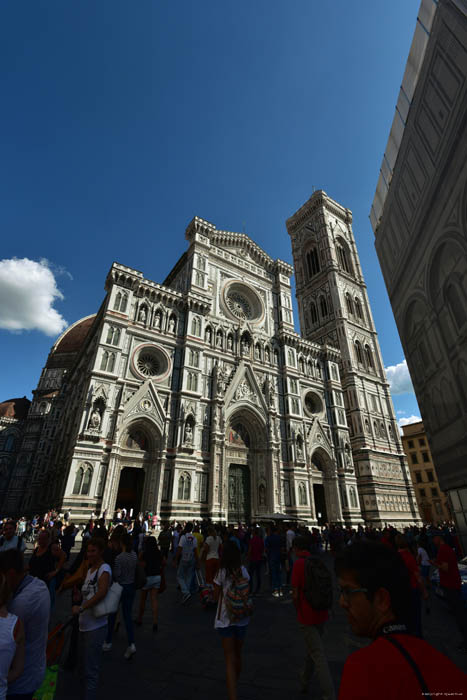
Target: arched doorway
point(326, 498)
point(139, 453)
point(246, 467)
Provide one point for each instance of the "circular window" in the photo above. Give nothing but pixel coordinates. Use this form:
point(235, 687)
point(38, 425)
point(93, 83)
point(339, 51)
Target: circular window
point(242, 302)
point(313, 403)
point(150, 361)
point(148, 364)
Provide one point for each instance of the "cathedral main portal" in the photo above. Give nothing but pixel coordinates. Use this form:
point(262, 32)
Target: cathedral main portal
point(239, 494)
point(130, 489)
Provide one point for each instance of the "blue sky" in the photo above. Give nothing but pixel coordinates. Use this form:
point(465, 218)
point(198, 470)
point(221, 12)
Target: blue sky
point(122, 120)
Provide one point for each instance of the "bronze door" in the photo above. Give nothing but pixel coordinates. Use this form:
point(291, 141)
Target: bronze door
point(239, 494)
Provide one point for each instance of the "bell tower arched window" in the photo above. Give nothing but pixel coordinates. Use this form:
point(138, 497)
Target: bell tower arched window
point(343, 257)
point(358, 352)
point(313, 312)
point(323, 306)
point(348, 301)
point(312, 262)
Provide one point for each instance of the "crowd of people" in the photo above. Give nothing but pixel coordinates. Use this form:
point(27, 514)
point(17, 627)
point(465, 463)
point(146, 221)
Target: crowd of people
point(383, 577)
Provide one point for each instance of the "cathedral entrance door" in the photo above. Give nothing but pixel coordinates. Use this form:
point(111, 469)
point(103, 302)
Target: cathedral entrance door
point(239, 493)
point(320, 504)
point(130, 489)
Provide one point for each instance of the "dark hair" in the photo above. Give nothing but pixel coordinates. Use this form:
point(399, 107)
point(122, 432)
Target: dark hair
point(98, 543)
point(127, 542)
point(150, 546)
point(12, 559)
point(376, 566)
point(231, 559)
point(188, 527)
point(10, 522)
point(300, 542)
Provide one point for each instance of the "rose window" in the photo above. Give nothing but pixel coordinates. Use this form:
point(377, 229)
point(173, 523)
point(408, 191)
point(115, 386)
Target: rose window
point(238, 305)
point(148, 364)
point(313, 403)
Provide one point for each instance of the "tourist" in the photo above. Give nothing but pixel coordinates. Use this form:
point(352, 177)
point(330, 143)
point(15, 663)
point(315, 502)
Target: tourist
point(186, 559)
point(376, 595)
point(450, 582)
point(232, 630)
point(46, 562)
point(153, 561)
point(211, 554)
point(273, 548)
point(124, 572)
point(312, 625)
point(416, 584)
point(11, 641)
point(92, 629)
point(165, 540)
point(9, 540)
point(256, 558)
point(31, 603)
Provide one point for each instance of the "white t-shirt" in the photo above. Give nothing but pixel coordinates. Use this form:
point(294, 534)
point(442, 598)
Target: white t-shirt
point(87, 621)
point(12, 544)
point(222, 618)
point(290, 536)
point(188, 543)
point(424, 559)
point(213, 544)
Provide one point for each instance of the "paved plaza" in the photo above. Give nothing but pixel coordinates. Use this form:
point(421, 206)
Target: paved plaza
point(184, 659)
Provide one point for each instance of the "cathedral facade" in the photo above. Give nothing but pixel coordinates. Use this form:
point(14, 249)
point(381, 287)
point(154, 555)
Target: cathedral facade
point(197, 398)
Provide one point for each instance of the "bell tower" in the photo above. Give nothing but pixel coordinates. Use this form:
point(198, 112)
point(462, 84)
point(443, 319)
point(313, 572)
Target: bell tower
point(334, 310)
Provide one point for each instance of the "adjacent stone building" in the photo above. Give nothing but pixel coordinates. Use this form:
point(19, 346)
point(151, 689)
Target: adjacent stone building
point(432, 502)
point(419, 217)
point(197, 398)
point(13, 415)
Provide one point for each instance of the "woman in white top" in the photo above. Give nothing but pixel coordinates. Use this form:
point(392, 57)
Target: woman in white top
point(231, 632)
point(211, 554)
point(11, 641)
point(92, 629)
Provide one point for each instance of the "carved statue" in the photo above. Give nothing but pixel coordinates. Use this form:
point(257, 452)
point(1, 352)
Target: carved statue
point(299, 449)
point(95, 420)
point(229, 342)
point(208, 335)
point(188, 440)
point(219, 340)
point(172, 325)
point(245, 347)
point(142, 314)
point(157, 320)
point(257, 353)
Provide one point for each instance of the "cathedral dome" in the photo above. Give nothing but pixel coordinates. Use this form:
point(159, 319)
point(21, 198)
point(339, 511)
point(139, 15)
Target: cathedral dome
point(15, 408)
point(71, 340)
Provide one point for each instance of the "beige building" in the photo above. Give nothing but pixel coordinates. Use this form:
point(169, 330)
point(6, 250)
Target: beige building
point(419, 217)
point(432, 502)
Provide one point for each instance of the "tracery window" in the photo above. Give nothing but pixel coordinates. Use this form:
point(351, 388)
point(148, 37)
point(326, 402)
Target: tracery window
point(184, 487)
point(353, 497)
point(358, 308)
point(358, 352)
point(192, 381)
point(323, 306)
point(312, 262)
point(343, 258)
point(196, 326)
point(369, 357)
point(348, 301)
point(313, 312)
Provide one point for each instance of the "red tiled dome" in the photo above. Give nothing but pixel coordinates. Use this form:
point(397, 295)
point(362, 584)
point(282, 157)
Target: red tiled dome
point(15, 408)
point(73, 338)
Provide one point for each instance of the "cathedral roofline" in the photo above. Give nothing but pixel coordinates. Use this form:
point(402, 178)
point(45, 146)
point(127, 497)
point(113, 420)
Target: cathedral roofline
point(317, 200)
point(239, 240)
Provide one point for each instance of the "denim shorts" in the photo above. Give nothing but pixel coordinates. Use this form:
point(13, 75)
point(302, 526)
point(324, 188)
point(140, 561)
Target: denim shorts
point(152, 582)
point(233, 631)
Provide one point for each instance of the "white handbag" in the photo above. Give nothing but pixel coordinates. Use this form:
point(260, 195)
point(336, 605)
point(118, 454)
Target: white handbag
point(109, 604)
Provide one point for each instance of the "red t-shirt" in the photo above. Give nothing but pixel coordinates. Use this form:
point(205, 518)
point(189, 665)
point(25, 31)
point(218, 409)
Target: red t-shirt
point(380, 671)
point(411, 564)
point(450, 578)
point(256, 548)
point(305, 613)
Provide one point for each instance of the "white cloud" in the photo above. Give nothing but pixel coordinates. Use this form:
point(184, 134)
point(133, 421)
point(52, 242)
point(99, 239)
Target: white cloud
point(409, 420)
point(399, 379)
point(28, 291)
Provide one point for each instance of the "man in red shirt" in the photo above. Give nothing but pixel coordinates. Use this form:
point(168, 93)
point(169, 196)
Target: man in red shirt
point(312, 624)
point(416, 584)
point(376, 595)
point(450, 582)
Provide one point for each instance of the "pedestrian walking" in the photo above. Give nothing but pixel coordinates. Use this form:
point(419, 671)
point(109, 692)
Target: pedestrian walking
point(92, 630)
point(186, 559)
point(153, 562)
point(11, 641)
point(312, 624)
point(124, 572)
point(450, 582)
point(232, 590)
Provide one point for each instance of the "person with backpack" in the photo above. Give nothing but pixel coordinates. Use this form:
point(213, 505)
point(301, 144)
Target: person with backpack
point(186, 559)
point(234, 609)
point(312, 597)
